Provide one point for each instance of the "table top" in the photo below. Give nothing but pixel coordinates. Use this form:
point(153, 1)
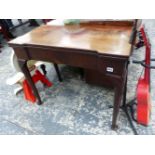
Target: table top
point(106, 37)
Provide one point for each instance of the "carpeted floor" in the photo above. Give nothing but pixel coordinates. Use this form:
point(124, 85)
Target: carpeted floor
point(71, 107)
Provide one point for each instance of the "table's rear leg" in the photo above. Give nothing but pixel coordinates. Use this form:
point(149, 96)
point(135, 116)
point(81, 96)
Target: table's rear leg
point(43, 67)
point(58, 72)
point(25, 70)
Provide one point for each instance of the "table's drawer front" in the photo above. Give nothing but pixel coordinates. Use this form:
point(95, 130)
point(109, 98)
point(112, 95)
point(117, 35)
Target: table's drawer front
point(111, 65)
point(97, 78)
point(74, 58)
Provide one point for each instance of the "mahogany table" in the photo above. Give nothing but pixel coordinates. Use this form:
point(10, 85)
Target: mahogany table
point(97, 45)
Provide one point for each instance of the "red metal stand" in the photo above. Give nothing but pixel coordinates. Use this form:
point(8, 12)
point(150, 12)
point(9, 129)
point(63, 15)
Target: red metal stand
point(38, 76)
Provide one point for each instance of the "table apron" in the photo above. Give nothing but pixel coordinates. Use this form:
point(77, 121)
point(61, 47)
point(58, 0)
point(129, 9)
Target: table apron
point(108, 65)
point(75, 58)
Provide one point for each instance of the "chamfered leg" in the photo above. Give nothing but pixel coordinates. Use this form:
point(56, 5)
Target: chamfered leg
point(117, 103)
point(25, 70)
point(58, 72)
point(43, 67)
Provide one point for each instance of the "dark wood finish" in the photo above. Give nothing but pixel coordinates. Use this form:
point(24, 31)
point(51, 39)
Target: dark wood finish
point(107, 22)
point(97, 78)
point(25, 70)
point(43, 68)
point(5, 33)
point(100, 38)
point(100, 46)
point(58, 72)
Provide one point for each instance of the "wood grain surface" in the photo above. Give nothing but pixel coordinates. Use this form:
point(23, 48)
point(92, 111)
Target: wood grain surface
point(102, 37)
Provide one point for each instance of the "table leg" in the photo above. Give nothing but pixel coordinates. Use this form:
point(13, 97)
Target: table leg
point(43, 67)
point(82, 73)
point(25, 70)
point(120, 95)
point(58, 72)
point(117, 103)
point(125, 91)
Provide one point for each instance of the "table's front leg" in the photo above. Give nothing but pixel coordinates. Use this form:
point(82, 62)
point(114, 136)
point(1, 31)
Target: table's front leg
point(120, 95)
point(25, 70)
point(117, 103)
point(116, 70)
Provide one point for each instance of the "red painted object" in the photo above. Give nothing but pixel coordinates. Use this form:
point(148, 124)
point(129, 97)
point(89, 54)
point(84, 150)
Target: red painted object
point(28, 92)
point(38, 76)
point(143, 87)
